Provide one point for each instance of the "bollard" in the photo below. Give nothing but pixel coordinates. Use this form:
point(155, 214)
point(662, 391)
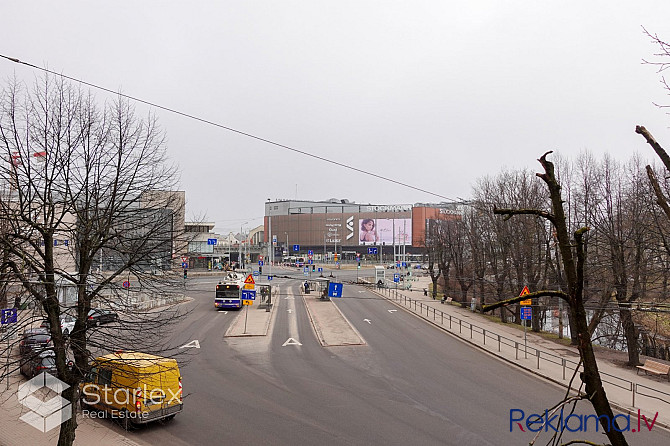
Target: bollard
point(516, 349)
point(537, 352)
point(484, 333)
point(499, 343)
point(563, 364)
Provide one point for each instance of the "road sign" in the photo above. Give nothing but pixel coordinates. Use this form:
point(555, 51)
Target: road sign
point(260, 263)
point(256, 273)
point(335, 289)
point(269, 277)
point(184, 259)
point(319, 269)
point(310, 261)
point(525, 292)
point(396, 277)
point(250, 279)
point(310, 252)
point(211, 241)
point(247, 302)
point(8, 316)
point(526, 313)
point(296, 248)
point(126, 284)
point(372, 251)
point(248, 295)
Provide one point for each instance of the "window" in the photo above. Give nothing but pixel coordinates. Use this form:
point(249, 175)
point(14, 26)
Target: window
point(105, 377)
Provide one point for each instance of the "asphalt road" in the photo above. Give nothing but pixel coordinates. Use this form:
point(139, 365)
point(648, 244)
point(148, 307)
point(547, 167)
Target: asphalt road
point(410, 384)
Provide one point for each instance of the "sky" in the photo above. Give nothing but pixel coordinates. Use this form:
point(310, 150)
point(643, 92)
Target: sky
point(432, 94)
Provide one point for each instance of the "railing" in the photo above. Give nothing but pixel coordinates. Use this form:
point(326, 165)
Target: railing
point(464, 329)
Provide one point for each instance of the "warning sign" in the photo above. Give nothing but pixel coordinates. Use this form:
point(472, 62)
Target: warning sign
point(525, 292)
point(250, 279)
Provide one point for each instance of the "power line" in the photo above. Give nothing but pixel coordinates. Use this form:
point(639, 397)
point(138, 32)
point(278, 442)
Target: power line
point(230, 129)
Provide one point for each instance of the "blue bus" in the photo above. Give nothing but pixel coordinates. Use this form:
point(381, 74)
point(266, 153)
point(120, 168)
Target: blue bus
point(229, 292)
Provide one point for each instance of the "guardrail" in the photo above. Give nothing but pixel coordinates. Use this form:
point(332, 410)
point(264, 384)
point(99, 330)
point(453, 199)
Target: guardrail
point(459, 326)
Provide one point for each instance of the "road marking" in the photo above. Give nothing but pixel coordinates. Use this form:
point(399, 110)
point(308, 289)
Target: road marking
point(289, 310)
point(290, 341)
point(193, 343)
point(222, 312)
point(367, 320)
point(392, 311)
point(289, 298)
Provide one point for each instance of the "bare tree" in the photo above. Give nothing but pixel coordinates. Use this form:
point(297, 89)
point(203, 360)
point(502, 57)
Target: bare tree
point(89, 205)
point(573, 259)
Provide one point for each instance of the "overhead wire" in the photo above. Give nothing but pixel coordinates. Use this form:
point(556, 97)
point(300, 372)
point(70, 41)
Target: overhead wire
point(230, 129)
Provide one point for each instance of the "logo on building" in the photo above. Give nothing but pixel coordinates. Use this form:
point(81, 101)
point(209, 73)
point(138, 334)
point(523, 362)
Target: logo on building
point(44, 415)
point(350, 227)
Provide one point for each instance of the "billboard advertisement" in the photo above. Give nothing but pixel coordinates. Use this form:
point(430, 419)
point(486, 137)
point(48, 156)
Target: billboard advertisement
point(385, 231)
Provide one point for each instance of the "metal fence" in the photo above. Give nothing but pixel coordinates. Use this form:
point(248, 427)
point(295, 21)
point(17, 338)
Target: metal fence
point(507, 348)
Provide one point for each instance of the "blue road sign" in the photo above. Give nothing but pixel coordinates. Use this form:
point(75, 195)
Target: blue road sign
point(396, 277)
point(526, 313)
point(256, 273)
point(248, 294)
point(211, 241)
point(260, 263)
point(269, 277)
point(372, 251)
point(310, 252)
point(404, 264)
point(8, 316)
point(335, 289)
point(296, 248)
point(319, 269)
point(310, 261)
point(184, 265)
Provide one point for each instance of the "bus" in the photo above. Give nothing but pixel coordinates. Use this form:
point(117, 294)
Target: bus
point(229, 292)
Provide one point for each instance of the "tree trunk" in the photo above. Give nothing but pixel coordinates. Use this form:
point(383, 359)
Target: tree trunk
point(631, 335)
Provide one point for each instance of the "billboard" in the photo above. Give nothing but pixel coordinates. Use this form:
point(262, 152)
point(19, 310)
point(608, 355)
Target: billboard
point(385, 231)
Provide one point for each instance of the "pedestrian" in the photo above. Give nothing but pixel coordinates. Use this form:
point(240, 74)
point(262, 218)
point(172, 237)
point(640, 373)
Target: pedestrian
point(306, 287)
point(425, 291)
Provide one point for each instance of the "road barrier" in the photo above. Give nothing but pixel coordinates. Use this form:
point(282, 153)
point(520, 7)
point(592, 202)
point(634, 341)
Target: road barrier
point(505, 346)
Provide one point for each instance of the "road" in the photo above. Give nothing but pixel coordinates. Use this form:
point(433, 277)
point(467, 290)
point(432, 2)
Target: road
point(409, 384)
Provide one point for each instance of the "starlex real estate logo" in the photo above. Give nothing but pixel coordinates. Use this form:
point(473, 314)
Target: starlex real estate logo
point(44, 415)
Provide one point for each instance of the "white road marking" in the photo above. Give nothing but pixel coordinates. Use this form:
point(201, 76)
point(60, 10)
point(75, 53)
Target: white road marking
point(290, 341)
point(367, 320)
point(193, 343)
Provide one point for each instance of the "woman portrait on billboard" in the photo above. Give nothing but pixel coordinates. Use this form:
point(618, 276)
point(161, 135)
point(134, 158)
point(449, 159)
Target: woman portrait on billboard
point(368, 232)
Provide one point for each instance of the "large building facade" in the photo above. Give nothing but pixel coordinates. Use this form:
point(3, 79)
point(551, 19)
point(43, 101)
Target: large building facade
point(346, 228)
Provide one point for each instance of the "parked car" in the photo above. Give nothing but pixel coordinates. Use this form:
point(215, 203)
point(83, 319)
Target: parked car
point(391, 266)
point(153, 383)
point(34, 340)
point(66, 324)
point(99, 316)
point(44, 361)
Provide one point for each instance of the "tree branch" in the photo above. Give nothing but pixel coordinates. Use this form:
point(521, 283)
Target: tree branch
point(502, 303)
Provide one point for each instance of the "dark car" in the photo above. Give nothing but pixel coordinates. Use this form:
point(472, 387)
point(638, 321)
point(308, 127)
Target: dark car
point(99, 316)
point(41, 362)
point(34, 340)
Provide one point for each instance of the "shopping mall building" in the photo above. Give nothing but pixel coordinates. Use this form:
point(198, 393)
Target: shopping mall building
point(325, 228)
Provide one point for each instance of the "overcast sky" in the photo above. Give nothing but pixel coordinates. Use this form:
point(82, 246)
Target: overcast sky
point(434, 94)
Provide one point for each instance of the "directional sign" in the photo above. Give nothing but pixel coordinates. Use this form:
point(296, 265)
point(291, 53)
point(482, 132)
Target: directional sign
point(526, 313)
point(211, 241)
point(319, 269)
point(310, 253)
point(8, 316)
point(372, 251)
point(310, 261)
point(184, 265)
point(335, 289)
point(269, 277)
point(396, 277)
point(296, 248)
point(260, 263)
point(248, 294)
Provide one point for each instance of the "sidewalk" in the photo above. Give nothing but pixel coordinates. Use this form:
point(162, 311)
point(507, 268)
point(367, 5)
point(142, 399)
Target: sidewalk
point(14, 432)
point(626, 390)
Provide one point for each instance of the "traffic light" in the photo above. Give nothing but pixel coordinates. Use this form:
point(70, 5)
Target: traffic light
point(313, 267)
point(359, 264)
point(185, 274)
point(260, 270)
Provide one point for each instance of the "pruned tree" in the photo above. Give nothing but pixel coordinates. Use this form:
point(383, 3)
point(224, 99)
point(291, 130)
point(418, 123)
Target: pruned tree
point(89, 204)
point(573, 258)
